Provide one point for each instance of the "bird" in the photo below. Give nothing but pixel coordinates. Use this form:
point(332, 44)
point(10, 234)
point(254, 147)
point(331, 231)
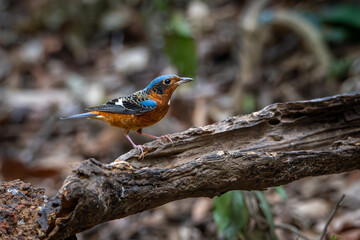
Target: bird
point(138, 110)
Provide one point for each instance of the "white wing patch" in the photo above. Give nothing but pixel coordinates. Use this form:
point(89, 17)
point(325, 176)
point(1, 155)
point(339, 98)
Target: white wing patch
point(119, 102)
point(169, 102)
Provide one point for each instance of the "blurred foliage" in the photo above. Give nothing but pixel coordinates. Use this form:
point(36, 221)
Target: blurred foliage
point(249, 103)
point(78, 21)
point(233, 216)
point(338, 24)
point(83, 17)
point(266, 210)
point(342, 22)
point(281, 191)
point(81, 22)
point(334, 237)
point(340, 67)
point(182, 53)
point(180, 45)
point(179, 25)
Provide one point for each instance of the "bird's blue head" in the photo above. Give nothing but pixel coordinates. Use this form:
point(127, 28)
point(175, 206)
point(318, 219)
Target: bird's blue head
point(165, 84)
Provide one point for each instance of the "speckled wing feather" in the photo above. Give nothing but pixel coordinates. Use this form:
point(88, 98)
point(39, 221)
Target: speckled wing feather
point(136, 103)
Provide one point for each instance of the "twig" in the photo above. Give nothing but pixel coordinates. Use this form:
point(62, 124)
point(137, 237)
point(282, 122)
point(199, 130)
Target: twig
point(331, 217)
point(29, 153)
point(285, 226)
point(291, 229)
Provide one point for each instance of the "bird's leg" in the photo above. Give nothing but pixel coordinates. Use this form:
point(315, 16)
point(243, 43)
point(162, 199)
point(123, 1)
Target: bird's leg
point(167, 136)
point(140, 147)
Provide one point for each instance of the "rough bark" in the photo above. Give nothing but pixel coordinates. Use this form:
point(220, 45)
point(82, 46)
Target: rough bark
point(19, 210)
point(277, 145)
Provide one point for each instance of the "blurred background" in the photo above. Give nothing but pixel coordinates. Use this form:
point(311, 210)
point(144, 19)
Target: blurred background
point(59, 57)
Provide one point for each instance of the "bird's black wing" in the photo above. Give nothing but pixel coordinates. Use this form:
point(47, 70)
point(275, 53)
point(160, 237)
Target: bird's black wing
point(136, 103)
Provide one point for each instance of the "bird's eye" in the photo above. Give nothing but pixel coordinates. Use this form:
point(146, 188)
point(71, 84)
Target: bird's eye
point(167, 81)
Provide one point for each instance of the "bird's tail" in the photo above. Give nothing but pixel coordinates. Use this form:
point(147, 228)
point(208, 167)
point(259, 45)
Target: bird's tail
point(80, 115)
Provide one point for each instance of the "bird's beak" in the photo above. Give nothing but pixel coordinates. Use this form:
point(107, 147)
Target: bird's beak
point(184, 80)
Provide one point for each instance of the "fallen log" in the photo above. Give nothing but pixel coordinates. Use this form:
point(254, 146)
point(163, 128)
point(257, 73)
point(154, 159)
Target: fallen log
point(279, 144)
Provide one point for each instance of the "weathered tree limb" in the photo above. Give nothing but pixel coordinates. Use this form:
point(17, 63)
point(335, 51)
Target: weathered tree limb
point(277, 145)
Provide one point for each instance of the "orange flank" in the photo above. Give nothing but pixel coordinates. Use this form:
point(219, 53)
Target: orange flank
point(136, 121)
point(132, 121)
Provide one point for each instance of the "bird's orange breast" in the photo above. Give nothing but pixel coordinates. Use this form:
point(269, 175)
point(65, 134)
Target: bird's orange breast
point(133, 121)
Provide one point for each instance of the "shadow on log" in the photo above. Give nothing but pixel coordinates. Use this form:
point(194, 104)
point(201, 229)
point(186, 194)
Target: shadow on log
point(276, 145)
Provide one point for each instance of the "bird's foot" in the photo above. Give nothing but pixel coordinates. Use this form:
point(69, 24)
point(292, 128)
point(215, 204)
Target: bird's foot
point(167, 136)
point(143, 150)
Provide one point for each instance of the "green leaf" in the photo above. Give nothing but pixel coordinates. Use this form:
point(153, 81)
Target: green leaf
point(222, 211)
point(180, 45)
point(249, 102)
point(239, 209)
point(265, 207)
point(179, 25)
point(231, 215)
point(337, 34)
point(182, 53)
point(281, 191)
point(339, 68)
point(346, 14)
point(161, 5)
point(341, 23)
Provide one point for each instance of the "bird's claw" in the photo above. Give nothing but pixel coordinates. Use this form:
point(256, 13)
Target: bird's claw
point(143, 150)
point(167, 136)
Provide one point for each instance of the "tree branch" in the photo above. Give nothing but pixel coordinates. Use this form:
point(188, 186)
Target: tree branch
point(277, 145)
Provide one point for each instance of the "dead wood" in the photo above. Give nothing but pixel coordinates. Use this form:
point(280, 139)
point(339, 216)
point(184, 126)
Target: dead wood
point(276, 145)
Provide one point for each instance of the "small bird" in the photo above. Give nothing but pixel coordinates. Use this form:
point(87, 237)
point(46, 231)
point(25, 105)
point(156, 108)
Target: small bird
point(138, 110)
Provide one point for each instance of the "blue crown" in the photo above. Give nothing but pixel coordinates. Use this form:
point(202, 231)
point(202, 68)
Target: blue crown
point(158, 80)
